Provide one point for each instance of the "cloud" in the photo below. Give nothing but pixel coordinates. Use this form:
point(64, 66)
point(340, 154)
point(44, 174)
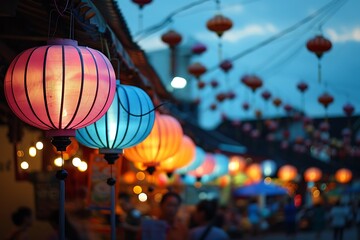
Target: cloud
point(346, 35)
point(250, 31)
point(152, 43)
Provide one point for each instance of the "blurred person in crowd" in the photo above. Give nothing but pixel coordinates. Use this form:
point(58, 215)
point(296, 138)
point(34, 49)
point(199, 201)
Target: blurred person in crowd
point(254, 216)
point(205, 217)
point(131, 224)
point(338, 216)
point(318, 219)
point(22, 219)
point(290, 212)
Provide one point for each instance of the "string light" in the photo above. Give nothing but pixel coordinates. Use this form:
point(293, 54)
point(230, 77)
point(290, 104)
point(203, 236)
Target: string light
point(24, 165)
point(39, 145)
point(32, 151)
point(82, 166)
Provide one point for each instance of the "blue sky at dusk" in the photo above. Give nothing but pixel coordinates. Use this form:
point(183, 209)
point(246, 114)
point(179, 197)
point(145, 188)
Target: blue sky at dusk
point(281, 64)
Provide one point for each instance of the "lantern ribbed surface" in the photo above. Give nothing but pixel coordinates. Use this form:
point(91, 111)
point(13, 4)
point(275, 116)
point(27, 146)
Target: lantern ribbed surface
point(163, 141)
point(128, 121)
point(61, 86)
point(181, 158)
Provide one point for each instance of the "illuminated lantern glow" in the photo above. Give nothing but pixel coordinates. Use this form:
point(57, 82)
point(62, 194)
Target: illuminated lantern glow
point(343, 175)
point(312, 174)
point(195, 163)
point(60, 87)
point(253, 171)
point(287, 173)
point(129, 177)
point(197, 69)
point(128, 122)
point(221, 168)
point(181, 158)
point(207, 167)
point(163, 142)
point(268, 168)
point(198, 48)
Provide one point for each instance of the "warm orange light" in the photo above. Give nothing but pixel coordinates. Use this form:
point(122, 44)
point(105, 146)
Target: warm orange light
point(343, 175)
point(287, 173)
point(237, 164)
point(163, 142)
point(140, 176)
point(129, 177)
point(181, 158)
point(254, 172)
point(312, 174)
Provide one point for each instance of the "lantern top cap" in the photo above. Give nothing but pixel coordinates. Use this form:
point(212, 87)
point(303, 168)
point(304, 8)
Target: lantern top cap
point(62, 41)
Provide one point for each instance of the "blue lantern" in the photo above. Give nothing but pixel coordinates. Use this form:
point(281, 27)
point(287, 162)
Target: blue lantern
point(128, 121)
point(196, 162)
point(268, 168)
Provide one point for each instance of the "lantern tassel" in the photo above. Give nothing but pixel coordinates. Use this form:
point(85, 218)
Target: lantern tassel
point(111, 182)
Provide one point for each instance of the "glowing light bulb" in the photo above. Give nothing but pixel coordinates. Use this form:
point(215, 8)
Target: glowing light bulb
point(140, 176)
point(137, 189)
point(32, 151)
point(58, 162)
point(39, 145)
point(178, 82)
point(76, 161)
point(142, 197)
point(82, 166)
point(24, 165)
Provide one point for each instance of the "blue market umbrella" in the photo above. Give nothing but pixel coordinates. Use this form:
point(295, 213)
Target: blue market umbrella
point(259, 188)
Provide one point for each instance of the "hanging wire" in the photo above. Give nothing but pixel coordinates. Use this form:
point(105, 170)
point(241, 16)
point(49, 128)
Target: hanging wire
point(62, 160)
point(144, 114)
point(61, 13)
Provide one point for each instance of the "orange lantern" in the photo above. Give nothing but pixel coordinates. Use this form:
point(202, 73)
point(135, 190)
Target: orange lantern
point(253, 171)
point(236, 165)
point(312, 174)
point(343, 175)
point(277, 102)
point(181, 158)
point(163, 142)
point(287, 173)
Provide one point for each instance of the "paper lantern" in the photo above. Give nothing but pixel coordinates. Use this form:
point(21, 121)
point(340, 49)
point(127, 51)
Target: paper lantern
point(171, 38)
point(348, 109)
point(196, 162)
point(221, 168)
point(142, 3)
point(60, 87)
point(196, 69)
point(128, 122)
point(343, 175)
point(198, 48)
point(163, 142)
point(226, 65)
point(302, 86)
point(325, 99)
point(181, 158)
point(236, 165)
point(219, 24)
point(252, 81)
point(312, 174)
point(205, 168)
point(266, 95)
point(287, 173)
point(253, 171)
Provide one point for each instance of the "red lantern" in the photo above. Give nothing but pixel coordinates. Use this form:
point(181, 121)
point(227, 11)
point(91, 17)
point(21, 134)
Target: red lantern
point(343, 175)
point(219, 24)
point(266, 95)
point(205, 168)
point(348, 109)
point(245, 106)
point(288, 108)
point(226, 65)
point(60, 87)
point(142, 3)
point(252, 81)
point(277, 102)
point(325, 99)
point(214, 83)
point(221, 97)
point(171, 38)
point(198, 48)
point(201, 84)
point(302, 86)
point(231, 95)
point(213, 107)
point(196, 69)
point(312, 174)
point(318, 45)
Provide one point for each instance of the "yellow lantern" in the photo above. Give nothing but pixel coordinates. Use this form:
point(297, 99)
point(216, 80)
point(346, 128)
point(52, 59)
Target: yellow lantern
point(163, 141)
point(237, 164)
point(181, 158)
point(312, 174)
point(253, 171)
point(287, 173)
point(343, 175)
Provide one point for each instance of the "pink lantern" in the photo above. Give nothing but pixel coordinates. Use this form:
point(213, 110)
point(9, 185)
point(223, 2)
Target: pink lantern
point(60, 87)
point(205, 168)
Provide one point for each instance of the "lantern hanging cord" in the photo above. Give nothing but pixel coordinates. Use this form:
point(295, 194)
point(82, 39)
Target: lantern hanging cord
point(61, 13)
point(62, 160)
point(143, 114)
